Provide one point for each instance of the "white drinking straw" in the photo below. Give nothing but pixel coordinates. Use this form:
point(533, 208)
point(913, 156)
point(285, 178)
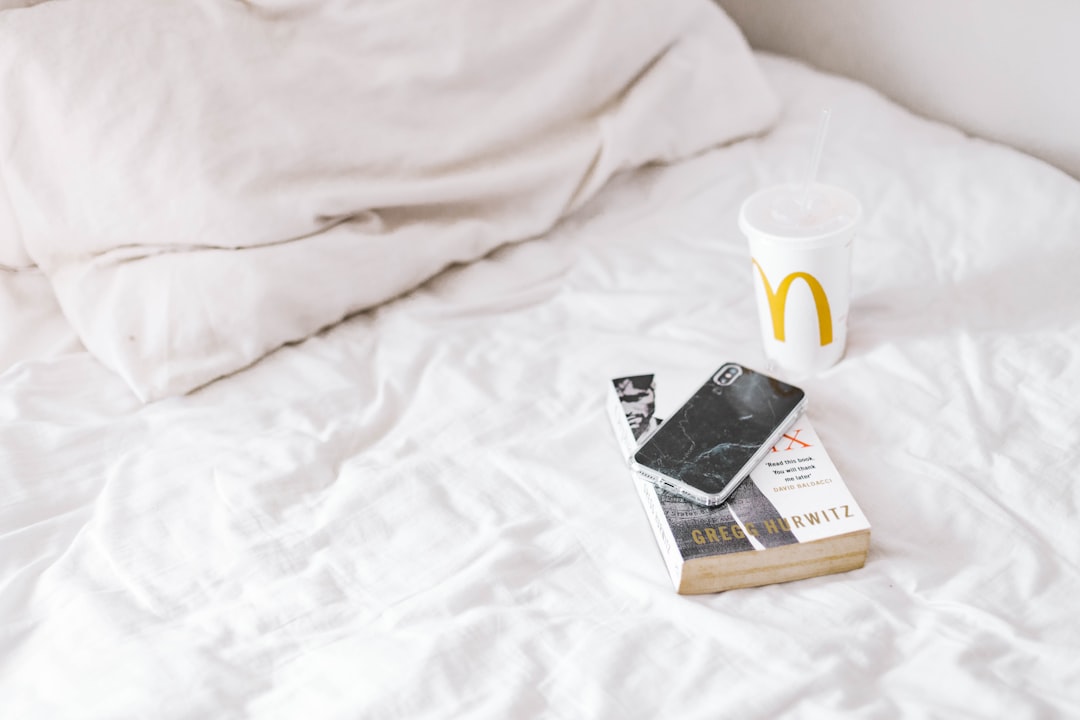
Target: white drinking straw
point(815, 160)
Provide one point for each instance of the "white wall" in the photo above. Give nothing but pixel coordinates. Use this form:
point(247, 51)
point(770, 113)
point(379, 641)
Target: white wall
point(1005, 70)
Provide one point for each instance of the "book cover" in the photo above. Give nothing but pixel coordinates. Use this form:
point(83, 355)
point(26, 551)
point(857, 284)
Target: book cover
point(793, 518)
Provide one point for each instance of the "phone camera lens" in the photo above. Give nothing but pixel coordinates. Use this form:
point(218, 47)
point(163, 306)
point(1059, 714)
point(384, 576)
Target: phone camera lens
point(727, 375)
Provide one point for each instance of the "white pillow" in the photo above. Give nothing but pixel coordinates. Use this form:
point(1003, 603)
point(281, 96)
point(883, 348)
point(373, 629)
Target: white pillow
point(204, 182)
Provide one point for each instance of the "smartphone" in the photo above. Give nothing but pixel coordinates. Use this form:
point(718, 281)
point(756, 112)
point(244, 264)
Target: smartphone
point(710, 444)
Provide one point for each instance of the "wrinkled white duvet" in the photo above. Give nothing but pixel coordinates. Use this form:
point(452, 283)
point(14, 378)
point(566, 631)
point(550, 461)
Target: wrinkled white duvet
point(205, 182)
point(422, 513)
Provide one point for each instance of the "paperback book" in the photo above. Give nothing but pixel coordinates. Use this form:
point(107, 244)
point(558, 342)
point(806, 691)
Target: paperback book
point(792, 519)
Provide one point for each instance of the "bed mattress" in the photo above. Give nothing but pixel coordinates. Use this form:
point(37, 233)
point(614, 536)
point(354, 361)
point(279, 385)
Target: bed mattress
point(422, 511)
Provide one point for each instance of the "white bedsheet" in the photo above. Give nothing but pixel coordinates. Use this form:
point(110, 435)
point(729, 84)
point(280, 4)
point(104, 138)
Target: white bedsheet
point(422, 513)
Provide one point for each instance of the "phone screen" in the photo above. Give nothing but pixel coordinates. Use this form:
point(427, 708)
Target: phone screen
point(708, 442)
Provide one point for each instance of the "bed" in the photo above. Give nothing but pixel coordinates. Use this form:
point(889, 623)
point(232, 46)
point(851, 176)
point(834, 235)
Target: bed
point(418, 509)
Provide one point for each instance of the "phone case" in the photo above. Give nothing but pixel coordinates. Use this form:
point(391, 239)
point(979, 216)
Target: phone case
point(711, 443)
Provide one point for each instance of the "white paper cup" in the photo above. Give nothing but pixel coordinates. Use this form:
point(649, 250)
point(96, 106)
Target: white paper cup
point(800, 247)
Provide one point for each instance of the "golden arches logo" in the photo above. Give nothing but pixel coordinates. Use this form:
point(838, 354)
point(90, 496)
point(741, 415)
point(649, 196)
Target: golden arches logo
point(778, 303)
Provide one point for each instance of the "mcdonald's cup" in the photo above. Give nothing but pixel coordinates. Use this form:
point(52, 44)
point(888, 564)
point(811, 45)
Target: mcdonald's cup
point(800, 249)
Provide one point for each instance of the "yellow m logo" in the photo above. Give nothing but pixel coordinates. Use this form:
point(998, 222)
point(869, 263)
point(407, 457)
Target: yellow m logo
point(778, 303)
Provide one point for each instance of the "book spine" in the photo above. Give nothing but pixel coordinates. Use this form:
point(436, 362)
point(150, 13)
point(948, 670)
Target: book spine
point(654, 511)
point(665, 538)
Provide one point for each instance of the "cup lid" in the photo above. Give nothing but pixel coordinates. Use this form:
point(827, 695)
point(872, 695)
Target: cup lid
point(819, 216)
